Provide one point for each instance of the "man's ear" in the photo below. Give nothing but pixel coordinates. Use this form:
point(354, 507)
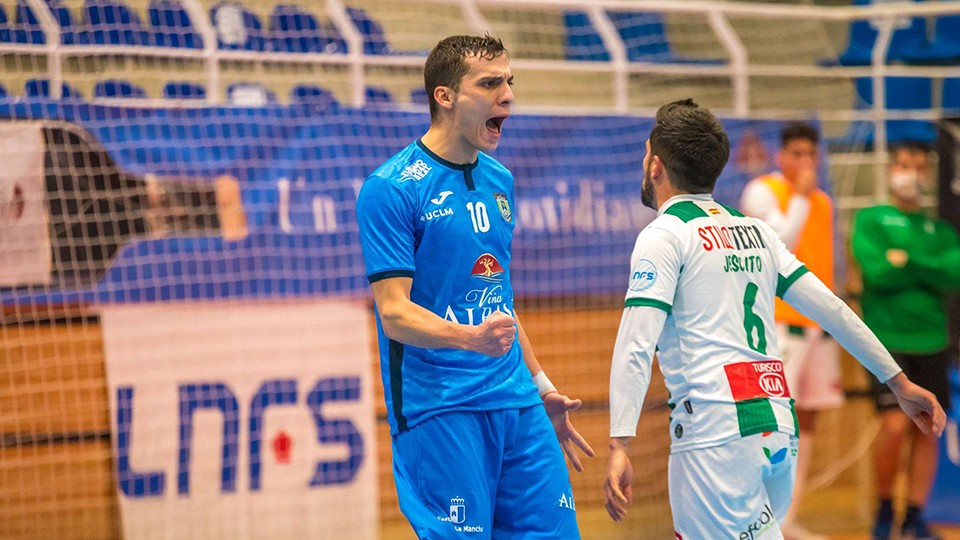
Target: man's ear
point(444, 96)
point(656, 169)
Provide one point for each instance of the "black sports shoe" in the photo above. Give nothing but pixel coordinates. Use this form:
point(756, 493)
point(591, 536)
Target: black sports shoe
point(883, 525)
point(917, 530)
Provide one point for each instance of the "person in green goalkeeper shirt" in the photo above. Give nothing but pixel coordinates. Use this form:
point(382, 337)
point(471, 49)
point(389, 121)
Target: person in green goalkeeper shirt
point(909, 262)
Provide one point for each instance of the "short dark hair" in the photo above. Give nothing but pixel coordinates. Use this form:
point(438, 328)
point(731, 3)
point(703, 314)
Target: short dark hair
point(692, 145)
point(447, 64)
point(799, 130)
point(911, 146)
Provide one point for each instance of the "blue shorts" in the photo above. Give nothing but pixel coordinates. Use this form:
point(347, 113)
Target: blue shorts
point(483, 475)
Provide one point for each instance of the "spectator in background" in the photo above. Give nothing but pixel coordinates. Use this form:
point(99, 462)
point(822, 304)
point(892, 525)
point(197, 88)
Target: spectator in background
point(802, 215)
point(909, 261)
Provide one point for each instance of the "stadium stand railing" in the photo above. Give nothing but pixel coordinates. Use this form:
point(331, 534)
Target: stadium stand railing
point(616, 59)
point(616, 38)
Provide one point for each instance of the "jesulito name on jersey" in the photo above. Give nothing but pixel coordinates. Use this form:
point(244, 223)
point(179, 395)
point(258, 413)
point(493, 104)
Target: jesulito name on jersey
point(483, 301)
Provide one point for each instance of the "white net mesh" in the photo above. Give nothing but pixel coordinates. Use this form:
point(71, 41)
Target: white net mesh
point(171, 187)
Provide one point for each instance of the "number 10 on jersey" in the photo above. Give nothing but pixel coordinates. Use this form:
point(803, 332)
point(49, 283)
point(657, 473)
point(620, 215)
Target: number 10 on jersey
point(478, 215)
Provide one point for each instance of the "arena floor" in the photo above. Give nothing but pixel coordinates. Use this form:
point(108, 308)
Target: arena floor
point(595, 526)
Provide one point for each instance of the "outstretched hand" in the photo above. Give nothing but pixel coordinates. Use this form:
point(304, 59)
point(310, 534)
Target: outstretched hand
point(558, 409)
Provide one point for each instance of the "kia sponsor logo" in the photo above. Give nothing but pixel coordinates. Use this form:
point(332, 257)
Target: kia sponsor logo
point(773, 384)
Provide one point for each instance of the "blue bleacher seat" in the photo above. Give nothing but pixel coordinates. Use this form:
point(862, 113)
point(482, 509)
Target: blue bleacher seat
point(644, 36)
point(374, 40)
point(582, 42)
point(901, 93)
point(317, 98)
point(27, 29)
point(237, 27)
point(113, 23)
point(171, 27)
point(951, 94)
point(5, 35)
point(945, 45)
point(41, 88)
point(250, 94)
point(71, 33)
point(118, 88)
point(906, 44)
point(377, 95)
point(419, 96)
point(297, 31)
point(184, 90)
point(3, 91)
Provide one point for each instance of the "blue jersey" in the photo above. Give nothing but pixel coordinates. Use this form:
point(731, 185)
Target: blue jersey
point(449, 227)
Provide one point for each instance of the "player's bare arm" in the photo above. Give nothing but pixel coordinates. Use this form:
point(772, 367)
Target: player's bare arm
point(411, 324)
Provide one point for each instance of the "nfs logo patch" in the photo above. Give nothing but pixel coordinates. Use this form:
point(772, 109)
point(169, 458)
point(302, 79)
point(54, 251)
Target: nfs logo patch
point(643, 275)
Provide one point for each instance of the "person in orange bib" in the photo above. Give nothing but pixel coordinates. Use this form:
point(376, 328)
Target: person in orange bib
point(802, 215)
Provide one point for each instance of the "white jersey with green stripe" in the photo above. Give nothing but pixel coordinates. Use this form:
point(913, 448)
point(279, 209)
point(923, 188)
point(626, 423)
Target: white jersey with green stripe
point(715, 274)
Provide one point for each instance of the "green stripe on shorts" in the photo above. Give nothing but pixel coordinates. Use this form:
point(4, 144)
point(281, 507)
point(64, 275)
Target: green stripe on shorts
point(756, 416)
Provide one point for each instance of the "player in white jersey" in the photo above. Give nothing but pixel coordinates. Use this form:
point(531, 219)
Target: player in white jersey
point(701, 291)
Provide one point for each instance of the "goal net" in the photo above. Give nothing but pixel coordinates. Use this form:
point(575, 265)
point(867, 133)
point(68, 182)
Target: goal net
point(187, 335)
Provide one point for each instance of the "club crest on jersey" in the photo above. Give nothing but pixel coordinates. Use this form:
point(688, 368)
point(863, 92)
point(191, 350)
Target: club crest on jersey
point(504, 205)
point(488, 269)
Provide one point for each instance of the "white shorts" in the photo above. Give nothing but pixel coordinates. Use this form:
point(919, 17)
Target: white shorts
point(811, 364)
point(738, 490)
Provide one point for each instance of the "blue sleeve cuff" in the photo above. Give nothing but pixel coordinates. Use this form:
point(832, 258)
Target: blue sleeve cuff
point(389, 274)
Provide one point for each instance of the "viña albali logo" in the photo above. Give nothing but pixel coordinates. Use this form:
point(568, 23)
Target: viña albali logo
point(488, 269)
point(486, 300)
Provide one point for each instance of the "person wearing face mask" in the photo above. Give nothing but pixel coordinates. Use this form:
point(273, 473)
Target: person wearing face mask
point(802, 216)
point(909, 261)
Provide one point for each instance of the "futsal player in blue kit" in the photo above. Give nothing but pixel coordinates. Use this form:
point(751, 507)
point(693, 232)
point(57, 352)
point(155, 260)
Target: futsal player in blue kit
point(478, 430)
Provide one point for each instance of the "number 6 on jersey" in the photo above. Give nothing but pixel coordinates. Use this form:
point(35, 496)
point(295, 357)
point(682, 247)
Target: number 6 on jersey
point(752, 321)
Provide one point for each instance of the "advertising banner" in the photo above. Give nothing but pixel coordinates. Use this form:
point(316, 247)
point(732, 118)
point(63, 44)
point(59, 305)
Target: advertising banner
point(243, 420)
point(24, 230)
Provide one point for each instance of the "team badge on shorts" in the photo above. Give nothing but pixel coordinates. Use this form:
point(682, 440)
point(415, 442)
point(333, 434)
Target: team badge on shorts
point(504, 205)
point(458, 510)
